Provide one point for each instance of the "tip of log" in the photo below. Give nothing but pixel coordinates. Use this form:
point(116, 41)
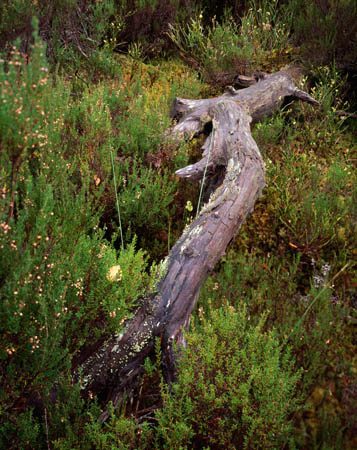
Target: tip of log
point(185, 171)
point(305, 97)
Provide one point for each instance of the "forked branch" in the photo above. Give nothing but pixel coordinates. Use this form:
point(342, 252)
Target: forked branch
point(112, 366)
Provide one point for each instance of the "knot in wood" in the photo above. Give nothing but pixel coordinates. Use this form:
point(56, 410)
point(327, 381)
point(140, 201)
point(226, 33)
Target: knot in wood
point(190, 252)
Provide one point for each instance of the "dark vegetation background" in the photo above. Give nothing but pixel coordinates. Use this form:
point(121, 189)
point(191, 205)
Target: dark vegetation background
point(271, 354)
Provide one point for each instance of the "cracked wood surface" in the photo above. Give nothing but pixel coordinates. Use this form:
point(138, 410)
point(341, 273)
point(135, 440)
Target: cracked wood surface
point(112, 366)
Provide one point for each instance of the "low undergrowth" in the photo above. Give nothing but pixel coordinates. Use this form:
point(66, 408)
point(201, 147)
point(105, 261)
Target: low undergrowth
point(270, 357)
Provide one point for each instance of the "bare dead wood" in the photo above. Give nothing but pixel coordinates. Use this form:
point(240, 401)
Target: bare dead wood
point(112, 365)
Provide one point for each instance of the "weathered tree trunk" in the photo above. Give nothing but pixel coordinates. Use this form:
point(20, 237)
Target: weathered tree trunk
point(111, 366)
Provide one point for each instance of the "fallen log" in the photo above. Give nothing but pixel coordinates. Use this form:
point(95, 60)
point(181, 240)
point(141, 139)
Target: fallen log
point(110, 367)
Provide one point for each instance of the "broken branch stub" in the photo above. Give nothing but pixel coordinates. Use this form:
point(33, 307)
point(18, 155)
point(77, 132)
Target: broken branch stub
point(113, 366)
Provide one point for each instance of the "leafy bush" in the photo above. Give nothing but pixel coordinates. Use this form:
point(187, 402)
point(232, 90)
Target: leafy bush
point(331, 28)
point(71, 285)
point(266, 286)
point(70, 28)
point(217, 52)
point(314, 211)
point(145, 197)
point(235, 387)
point(227, 48)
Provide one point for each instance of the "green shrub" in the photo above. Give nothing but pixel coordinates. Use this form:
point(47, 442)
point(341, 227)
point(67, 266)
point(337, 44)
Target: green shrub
point(141, 127)
point(70, 25)
point(87, 433)
point(312, 203)
point(309, 202)
point(77, 31)
point(267, 27)
point(227, 48)
point(145, 196)
point(64, 284)
point(212, 8)
point(235, 386)
point(326, 31)
point(321, 128)
point(61, 282)
point(300, 303)
point(219, 52)
point(120, 433)
point(270, 132)
point(15, 21)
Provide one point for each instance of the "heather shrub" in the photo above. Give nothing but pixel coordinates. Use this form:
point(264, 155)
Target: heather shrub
point(266, 286)
point(314, 214)
point(309, 202)
point(74, 424)
point(219, 51)
point(112, 119)
point(145, 196)
point(144, 124)
point(223, 49)
point(211, 8)
point(322, 128)
point(271, 131)
point(331, 28)
point(88, 138)
point(267, 28)
point(77, 32)
point(61, 281)
point(70, 28)
point(15, 20)
point(235, 386)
